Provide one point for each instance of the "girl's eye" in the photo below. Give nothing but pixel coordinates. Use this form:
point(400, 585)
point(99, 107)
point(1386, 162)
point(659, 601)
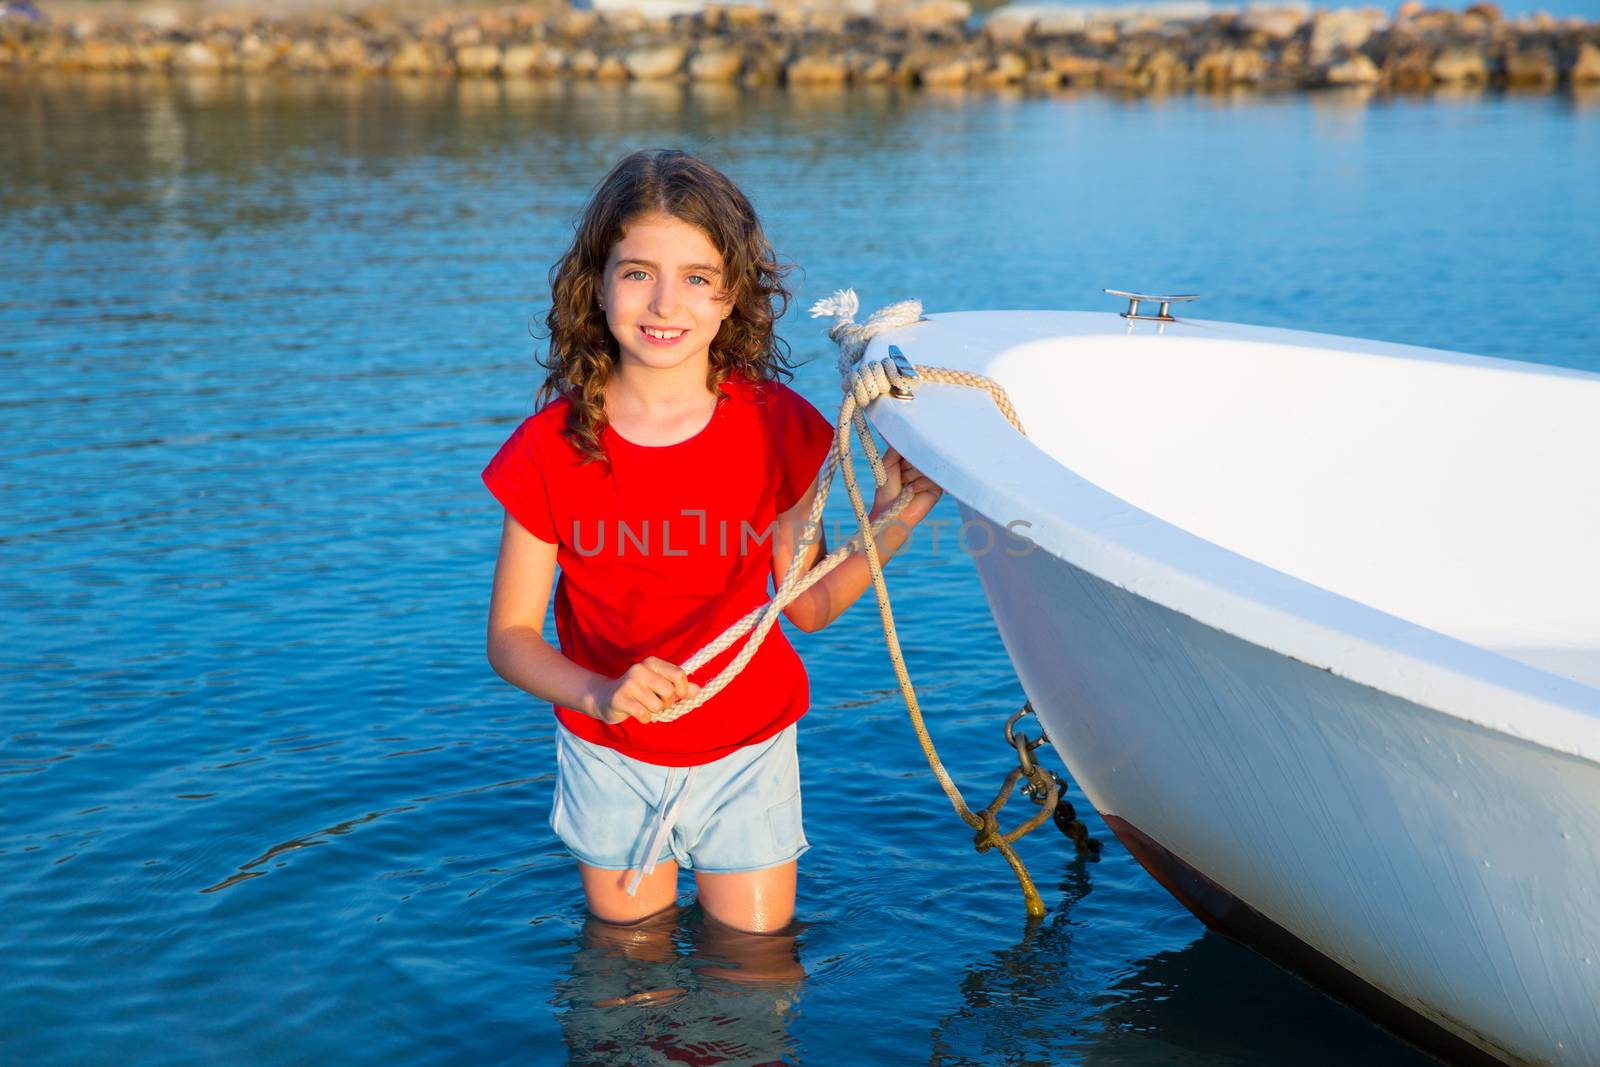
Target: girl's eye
point(636, 275)
point(699, 279)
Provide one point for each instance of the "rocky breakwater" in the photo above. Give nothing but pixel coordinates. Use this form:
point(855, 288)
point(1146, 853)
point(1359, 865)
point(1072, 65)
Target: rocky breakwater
point(924, 42)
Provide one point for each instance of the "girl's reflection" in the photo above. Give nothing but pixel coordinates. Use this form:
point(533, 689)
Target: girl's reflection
point(680, 987)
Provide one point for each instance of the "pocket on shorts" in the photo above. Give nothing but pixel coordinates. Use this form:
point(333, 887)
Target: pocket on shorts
point(787, 824)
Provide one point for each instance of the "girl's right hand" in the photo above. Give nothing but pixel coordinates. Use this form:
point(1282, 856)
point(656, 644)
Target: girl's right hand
point(645, 690)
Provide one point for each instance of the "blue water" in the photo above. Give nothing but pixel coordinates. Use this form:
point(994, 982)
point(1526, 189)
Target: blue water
point(263, 801)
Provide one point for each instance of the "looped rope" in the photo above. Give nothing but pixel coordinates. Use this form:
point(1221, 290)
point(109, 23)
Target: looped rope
point(853, 337)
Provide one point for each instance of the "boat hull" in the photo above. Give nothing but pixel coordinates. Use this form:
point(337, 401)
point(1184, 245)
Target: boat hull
point(1425, 869)
point(1315, 623)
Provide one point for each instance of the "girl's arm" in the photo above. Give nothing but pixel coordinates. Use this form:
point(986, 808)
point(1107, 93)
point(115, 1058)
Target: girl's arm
point(518, 652)
point(827, 599)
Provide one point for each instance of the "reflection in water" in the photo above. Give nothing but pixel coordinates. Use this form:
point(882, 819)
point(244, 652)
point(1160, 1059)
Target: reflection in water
point(1211, 1002)
point(680, 988)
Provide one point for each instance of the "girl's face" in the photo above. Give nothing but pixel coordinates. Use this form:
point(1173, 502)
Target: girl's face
point(664, 293)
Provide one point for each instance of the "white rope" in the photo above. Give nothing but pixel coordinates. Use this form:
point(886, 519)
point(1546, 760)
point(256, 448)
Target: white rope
point(853, 337)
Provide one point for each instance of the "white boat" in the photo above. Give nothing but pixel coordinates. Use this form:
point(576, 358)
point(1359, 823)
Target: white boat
point(1315, 624)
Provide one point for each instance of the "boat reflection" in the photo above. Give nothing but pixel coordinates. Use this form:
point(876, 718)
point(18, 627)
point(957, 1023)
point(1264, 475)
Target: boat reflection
point(1212, 1002)
point(680, 988)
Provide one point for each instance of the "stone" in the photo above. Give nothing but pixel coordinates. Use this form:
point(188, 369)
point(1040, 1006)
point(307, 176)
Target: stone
point(478, 60)
point(817, 68)
point(828, 21)
point(1162, 70)
point(1273, 23)
point(1010, 25)
point(583, 63)
point(1585, 69)
point(624, 21)
point(1487, 11)
point(306, 57)
point(197, 57)
point(611, 69)
point(574, 24)
point(761, 69)
point(928, 16)
point(1461, 65)
point(1341, 30)
point(1062, 22)
point(950, 73)
point(871, 68)
point(523, 60)
point(655, 63)
point(1214, 70)
point(716, 65)
point(414, 57)
point(1076, 70)
point(1531, 68)
point(742, 16)
point(1009, 68)
point(1409, 70)
point(1357, 70)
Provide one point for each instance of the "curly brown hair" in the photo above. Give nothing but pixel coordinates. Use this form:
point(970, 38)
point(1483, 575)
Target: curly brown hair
point(582, 351)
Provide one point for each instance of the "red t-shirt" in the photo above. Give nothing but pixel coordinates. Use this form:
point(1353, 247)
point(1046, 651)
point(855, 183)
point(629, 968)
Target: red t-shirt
point(667, 549)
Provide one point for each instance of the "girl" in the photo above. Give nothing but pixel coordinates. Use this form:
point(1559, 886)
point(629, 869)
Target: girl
point(669, 476)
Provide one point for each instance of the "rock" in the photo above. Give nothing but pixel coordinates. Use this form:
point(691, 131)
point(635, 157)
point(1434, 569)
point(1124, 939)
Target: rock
point(1531, 68)
point(1357, 70)
point(152, 56)
point(1010, 25)
point(1410, 69)
point(1341, 30)
point(928, 16)
point(522, 60)
point(478, 60)
point(1225, 67)
point(1075, 70)
point(1273, 23)
point(611, 69)
point(1461, 65)
point(348, 52)
point(306, 57)
point(653, 64)
point(741, 16)
point(1060, 22)
point(574, 24)
point(762, 68)
point(624, 21)
point(817, 68)
point(1162, 70)
point(1487, 11)
point(583, 63)
point(1009, 68)
point(827, 21)
point(1410, 9)
point(870, 68)
point(415, 57)
point(951, 72)
point(716, 65)
point(196, 57)
point(1585, 69)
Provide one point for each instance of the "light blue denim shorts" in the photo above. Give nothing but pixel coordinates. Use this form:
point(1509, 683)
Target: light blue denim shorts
point(738, 813)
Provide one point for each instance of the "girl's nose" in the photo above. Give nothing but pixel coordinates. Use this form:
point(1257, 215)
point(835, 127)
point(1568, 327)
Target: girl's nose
point(662, 298)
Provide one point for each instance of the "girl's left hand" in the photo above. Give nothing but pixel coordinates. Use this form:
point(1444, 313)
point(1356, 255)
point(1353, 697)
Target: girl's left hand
point(902, 474)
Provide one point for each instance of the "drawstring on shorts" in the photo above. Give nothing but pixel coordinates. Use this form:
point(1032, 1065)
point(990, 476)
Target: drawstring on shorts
point(666, 816)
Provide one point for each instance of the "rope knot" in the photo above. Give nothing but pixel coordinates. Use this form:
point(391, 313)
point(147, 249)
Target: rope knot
point(853, 337)
point(874, 378)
